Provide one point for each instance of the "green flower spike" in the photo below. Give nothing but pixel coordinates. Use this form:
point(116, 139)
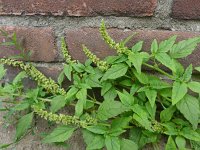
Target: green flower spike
point(102, 65)
point(120, 48)
point(35, 74)
point(64, 119)
point(65, 52)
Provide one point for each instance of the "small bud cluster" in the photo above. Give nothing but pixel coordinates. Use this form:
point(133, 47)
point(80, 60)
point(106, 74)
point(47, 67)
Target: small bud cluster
point(117, 46)
point(157, 127)
point(65, 52)
point(102, 65)
point(30, 70)
point(64, 119)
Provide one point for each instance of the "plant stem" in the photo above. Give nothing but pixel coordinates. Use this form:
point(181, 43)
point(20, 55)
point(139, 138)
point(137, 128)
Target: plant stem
point(159, 70)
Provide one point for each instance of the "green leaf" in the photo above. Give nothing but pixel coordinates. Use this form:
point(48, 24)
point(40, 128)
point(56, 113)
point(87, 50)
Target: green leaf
point(151, 95)
point(57, 103)
point(23, 125)
point(111, 94)
point(115, 71)
point(120, 123)
point(188, 73)
point(126, 40)
point(194, 86)
point(198, 69)
point(180, 142)
point(109, 109)
point(170, 144)
point(178, 91)
point(141, 117)
point(61, 78)
point(97, 129)
point(166, 45)
point(165, 59)
point(93, 141)
point(137, 59)
point(184, 48)
point(106, 86)
point(167, 114)
point(19, 77)
point(154, 46)
point(126, 98)
point(189, 107)
point(156, 83)
point(128, 145)
point(82, 97)
point(137, 47)
point(143, 78)
point(68, 71)
point(2, 71)
point(151, 110)
point(190, 134)
point(21, 106)
point(112, 143)
point(93, 80)
point(59, 134)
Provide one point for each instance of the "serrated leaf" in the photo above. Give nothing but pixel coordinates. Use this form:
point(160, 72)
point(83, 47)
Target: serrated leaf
point(128, 145)
point(165, 60)
point(194, 86)
point(154, 46)
point(59, 134)
point(151, 95)
point(137, 47)
point(109, 109)
point(57, 103)
point(112, 143)
point(68, 71)
point(170, 144)
point(93, 141)
point(115, 72)
point(23, 125)
point(190, 134)
point(166, 45)
point(178, 91)
point(189, 107)
point(184, 48)
point(167, 114)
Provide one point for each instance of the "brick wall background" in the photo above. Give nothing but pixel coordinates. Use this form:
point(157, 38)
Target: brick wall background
point(41, 23)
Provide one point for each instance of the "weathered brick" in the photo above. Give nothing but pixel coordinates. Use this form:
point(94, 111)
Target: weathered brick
point(186, 9)
point(91, 38)
point(40, 41)
point(78, 7)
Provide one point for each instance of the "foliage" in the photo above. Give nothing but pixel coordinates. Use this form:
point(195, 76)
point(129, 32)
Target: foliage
point(134, 107)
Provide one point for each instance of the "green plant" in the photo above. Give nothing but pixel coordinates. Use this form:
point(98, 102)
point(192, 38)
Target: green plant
point(134, 107)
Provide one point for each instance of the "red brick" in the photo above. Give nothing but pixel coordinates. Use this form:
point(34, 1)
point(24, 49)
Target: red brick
point(91, 38)
point(186, 9)
point(78, 7)
point(40, 41)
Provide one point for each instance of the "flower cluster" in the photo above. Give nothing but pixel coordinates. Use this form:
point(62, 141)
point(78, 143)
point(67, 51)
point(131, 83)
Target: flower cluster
point(47, 83)
point(120, 48)
point(64, 119)
point(102, 65)
point(65, 52)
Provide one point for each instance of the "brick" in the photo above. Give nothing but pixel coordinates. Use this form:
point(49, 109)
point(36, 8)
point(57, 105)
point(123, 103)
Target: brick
point(91, 38)
point(186, 9)
point(40, 41)
point(78, 7)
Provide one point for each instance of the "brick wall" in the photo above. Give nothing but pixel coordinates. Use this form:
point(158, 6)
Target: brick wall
point(41, 23)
